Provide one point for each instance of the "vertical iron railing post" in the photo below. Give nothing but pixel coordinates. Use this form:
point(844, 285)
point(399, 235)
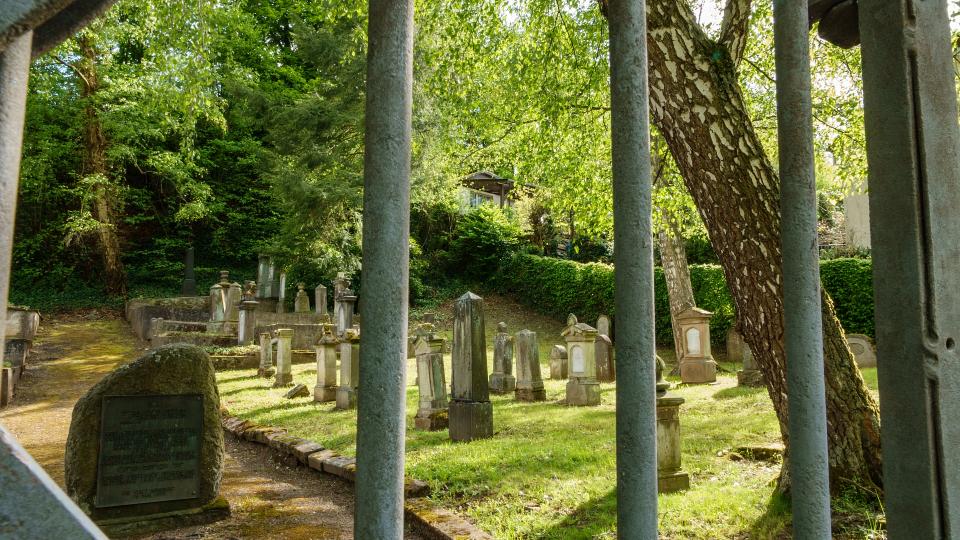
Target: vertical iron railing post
point(913, 155)
point(808, 459)
point(633, 270)
point(381, 424)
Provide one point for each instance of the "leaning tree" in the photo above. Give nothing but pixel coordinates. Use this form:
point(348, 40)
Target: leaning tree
point(698, 107)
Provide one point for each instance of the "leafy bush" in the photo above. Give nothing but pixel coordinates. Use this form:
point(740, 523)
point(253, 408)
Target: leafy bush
point(557, 287)
point(483, 239)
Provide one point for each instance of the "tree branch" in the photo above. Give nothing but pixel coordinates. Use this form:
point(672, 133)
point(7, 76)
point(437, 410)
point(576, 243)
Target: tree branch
point(71, 66)
point(734, 29)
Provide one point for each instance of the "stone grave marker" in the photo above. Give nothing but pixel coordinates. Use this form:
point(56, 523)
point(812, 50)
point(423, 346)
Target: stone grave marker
point(320, 299)
point(471, 413)
point(301, 302)
point(582, 388)
point(284, 376)
point(735, 345)
point(697, 365)
point(299, 390)
point(349, 370)
point(606, 369)
point(266, 356)
point(502, 380)
point(432, 413)
point(145, 448)
point(558, 362)
point(529, 382)
point(863, 350)
point(326, 387)
point(750, 375)
point(603, 326)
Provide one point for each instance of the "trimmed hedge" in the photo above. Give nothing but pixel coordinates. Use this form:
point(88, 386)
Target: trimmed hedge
point(557, 287)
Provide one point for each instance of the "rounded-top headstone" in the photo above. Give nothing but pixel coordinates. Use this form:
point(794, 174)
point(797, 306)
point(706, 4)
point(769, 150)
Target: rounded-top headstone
point(179, 370)
point(501, 327)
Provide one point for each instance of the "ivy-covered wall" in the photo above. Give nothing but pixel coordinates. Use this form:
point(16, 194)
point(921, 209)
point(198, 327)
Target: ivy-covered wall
point(558, 287)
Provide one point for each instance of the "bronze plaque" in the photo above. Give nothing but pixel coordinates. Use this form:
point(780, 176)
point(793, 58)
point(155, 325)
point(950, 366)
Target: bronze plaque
point(149, 449)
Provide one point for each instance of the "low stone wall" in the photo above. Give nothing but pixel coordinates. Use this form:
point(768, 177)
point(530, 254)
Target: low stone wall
point(139, 311)
point(305, 335)
point(194, 338)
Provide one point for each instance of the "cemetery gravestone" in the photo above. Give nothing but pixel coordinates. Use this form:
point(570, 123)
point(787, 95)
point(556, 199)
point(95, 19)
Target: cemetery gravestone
point(470, 411)
point(282, 293)
point(301, 304)
point(529, 382)
point(349, 370)
point(345, 306)
point(863, 350)
point(606, 368)
point(189, 285)
point(284, 375)
point(320, 299)
point(145, 443)
point(248, 315)
point(750, 375)
point(603, 326)
point(558, 362)
point(670, 477)
point(502, 380)
point(696, 365)
point(735, 345)
point(266, 356)
point(432, 413)
point(582, 388)
point(326, 388)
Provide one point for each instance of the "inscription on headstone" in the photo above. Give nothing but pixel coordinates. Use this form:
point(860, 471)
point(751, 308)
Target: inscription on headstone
point(149, 449)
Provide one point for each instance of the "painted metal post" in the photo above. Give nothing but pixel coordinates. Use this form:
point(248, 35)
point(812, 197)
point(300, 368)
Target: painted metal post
point(14, 72)
point(913, 144)
point(809, 465)
point(381, 403)
point(633, 240)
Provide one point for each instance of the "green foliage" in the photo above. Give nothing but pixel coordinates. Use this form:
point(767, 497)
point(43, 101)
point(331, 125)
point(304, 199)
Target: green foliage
point(483, 239)
point(557, 287)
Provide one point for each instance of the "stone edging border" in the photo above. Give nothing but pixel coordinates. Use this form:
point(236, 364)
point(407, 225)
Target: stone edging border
point(425, 516)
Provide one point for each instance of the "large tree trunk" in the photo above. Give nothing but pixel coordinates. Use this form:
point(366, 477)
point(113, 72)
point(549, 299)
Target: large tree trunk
point(95, 165)
point(673, 259)
point(697, 105)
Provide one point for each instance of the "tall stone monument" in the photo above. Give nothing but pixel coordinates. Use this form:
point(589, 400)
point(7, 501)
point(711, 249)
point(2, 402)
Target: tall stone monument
point(282, 293)
point(326, 387)
point(471, 413)
point(320, 299)
point(502, 380)
point(301, 303)
point(696, 365)
point(603, 326)
point(529, 383)
point(246, 327)
point(349, 370)
point(344, 307)
point(189, 285)
point(432, 412)
point(582, 388)
point(284, 375)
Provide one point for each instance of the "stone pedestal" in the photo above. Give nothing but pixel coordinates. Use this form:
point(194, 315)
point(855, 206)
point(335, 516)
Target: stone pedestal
point(349, 371)
point(301, 303)
point(502, 380)
point(583, 388)
point(248, 322)
point(432, 414)
point(344, 306)
point(558, 362)
point(670, 477)
point(750, 375)
point(326, 387)
point(529, 382)
point(471, 413)
point(696, 363)
point(266, 356)
point(284, 376)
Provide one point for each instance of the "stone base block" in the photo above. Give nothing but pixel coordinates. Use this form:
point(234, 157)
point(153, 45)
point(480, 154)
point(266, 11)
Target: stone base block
point(283, 380)
point(750, 377)
point(470, 420)
point(6, 386)
point(346, 398)
point(324, 394)
point(698, 371)
point(266, 373)
point(670, 482)
point(216, 510)
point(583, 392)
point(431, 420)
point(501, 383)
point(531, 394)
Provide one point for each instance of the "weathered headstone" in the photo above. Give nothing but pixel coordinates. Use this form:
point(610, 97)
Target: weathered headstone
point(320, 300)
point(248, 315)
point(301, 303)
point(326, 388)
point(582, 388)
point(145, 443)
point(696, 365)
point(298, 390)
point(863, 350)
point(502, 379)
point(266, 356)
point(282, 293)
point(529, 382)
point(344, 307)
point(558, 362)
point(189, 285)
point(670, 477)
point(284, 375)
point(471, 413)
point(606, 368)
point(603, 326)
point(432, 412)
point(735, 345)
point(750, 375)
point(349, 370)
point(264, 277)
point(218, 297)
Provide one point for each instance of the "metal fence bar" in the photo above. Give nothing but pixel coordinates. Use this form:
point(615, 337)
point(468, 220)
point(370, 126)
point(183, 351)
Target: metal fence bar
point(809, 465)
point(386, 232)
point(633, 273)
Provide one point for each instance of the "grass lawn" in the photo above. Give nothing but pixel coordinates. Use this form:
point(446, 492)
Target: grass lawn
point(549, 471)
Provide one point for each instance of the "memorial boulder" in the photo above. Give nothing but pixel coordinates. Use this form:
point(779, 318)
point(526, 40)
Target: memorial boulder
point(145, 443)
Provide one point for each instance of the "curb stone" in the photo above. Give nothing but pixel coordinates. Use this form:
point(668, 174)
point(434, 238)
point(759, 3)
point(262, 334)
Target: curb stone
point(426, 517)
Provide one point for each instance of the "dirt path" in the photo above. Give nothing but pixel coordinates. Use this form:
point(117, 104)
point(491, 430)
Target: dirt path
point(268, 500)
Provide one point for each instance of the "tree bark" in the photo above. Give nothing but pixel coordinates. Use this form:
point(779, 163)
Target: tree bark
point(95, 164)
point(673, 259)
point(697, 106)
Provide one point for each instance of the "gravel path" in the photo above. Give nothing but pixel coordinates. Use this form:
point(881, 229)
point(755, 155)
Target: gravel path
point(268, 500)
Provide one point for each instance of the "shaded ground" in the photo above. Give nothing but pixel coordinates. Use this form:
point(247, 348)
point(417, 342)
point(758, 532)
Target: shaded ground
point(268, 500)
